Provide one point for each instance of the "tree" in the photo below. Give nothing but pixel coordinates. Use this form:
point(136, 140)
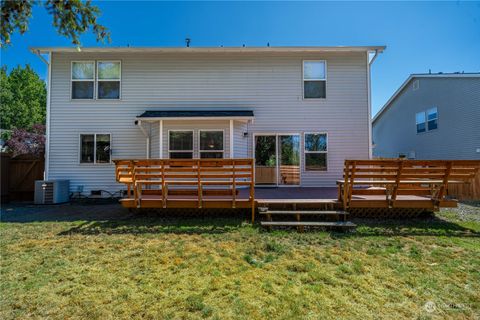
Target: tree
point(71, 18)
point(27, 142)
point(23, 98)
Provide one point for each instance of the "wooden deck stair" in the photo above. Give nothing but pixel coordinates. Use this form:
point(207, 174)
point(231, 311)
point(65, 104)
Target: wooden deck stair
point(323, 217)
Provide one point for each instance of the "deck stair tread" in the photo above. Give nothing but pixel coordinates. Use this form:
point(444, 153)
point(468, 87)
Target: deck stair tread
point(347, 224)
point(303, 212)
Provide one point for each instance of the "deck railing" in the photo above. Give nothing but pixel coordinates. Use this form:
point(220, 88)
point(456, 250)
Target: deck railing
point(187, 183)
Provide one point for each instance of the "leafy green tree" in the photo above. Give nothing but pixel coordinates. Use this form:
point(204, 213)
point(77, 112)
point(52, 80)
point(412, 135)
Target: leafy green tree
point(71, 18)
point(23, 98)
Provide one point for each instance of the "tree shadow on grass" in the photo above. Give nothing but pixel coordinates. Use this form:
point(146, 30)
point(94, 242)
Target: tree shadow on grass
point(170, 222)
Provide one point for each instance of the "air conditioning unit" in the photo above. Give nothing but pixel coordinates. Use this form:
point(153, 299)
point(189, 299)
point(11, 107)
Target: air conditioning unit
point(51, 191)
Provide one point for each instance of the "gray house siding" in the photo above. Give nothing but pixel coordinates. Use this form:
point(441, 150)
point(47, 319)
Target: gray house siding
point(270, 84)
point(458, 133)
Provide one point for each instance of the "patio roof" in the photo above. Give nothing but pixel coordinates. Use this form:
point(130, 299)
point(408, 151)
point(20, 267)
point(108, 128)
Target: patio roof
point(196, 114)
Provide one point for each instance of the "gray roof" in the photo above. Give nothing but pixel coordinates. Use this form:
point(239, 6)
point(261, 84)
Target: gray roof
point(196, 114)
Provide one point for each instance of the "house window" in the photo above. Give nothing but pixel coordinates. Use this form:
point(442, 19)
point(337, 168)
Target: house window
point(180, 144)
point(314, 79)
point(315, 148)
point(211, 144)
point(95, 148)
point(432, 119)
point(83, 79)
point(420, 121)
point(108, 79)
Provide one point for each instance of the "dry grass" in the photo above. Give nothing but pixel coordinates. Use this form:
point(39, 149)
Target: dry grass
point(225, 269)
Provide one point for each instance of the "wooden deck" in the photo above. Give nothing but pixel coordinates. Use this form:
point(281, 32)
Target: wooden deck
point(229, 183)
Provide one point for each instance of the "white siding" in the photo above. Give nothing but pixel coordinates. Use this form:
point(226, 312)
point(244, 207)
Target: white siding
point(267, 83)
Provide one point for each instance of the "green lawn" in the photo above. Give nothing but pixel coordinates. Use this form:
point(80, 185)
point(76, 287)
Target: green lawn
point(188, 268)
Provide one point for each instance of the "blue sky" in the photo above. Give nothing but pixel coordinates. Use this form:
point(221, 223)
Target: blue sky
point(441, 36)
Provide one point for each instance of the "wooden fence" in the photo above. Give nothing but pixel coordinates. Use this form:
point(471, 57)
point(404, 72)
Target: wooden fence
point(467, 191)
point(19, 175)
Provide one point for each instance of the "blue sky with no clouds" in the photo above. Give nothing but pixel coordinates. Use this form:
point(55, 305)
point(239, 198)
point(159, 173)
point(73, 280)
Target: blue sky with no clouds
point(441, 36)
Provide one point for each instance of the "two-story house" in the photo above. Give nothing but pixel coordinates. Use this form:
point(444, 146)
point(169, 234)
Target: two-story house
point(299, 111)
point(431, 116)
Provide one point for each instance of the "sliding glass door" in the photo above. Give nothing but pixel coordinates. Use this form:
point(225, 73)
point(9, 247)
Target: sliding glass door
point(265, 160)
point(277, 159)
point(289, 156)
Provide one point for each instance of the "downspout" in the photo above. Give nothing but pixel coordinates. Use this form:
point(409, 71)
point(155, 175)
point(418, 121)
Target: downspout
point(147, 136)
point(49, 87)
point(369, 102)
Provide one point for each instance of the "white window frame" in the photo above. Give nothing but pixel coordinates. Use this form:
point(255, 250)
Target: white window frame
point(82, 80)
point(417, 123)
point(94, 148)
point(181, 151)
point(303, 79)
point(212, 151)
point(427, 120)
point(110, 80)
point(305, 153)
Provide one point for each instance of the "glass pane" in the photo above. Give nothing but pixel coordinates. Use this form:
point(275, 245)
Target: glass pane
point(83, 70)
point(211, 155)
point(432, 114)
point(314, 89)
point(82, 89)
point(181, 155)
point(313, 70)
point(290, 160)
point(432, 124)
point(181, 140)
point(108, 89)
point(421, 127)
point(420, 117)
point(316, 161)
point(211, 140)
point(103, 148)
point(109, 70)
point(86, 148)
point(315, 142)
point(265, 160)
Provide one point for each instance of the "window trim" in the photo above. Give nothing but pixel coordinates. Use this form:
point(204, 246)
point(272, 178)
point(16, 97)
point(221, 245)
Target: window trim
point(417, 123)
point(212, 151)
point(82, 80)
point(303, 79)
point(94, 163)
point(305, 152)
point(181, 151)
point(428, 120)
point(97, 80)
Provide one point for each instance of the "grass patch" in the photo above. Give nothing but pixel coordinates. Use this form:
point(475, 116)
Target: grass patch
point(219, 268)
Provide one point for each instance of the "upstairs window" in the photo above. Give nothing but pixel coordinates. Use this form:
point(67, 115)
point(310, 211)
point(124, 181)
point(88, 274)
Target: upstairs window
point(211, 144)
point(427, 120)
point(432, 119)
point(314, 79)
point(180, 144)
point(108, 79)
point(420, 121)
point(95, 148)
point(83, 79)
point(315, 151)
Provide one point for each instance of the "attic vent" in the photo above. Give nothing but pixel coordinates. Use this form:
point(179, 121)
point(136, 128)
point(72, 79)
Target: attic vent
point(416, 85)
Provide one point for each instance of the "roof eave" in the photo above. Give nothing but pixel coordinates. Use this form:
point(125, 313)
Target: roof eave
point(379, 49)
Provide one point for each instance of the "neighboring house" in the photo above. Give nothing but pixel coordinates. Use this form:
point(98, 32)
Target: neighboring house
point(299, 111)
point(431, 116)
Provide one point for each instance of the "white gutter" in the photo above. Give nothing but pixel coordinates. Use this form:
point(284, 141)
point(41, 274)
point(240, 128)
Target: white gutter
point(49, 89)
point(150, 119)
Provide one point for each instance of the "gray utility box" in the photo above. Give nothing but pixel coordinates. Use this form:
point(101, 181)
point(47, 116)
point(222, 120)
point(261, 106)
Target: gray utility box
point(52, 191)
